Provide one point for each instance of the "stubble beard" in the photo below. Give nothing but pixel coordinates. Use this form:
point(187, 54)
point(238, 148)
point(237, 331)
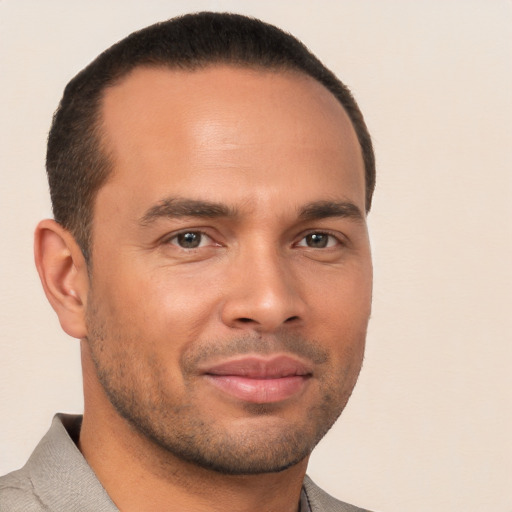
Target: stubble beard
point(266, 444)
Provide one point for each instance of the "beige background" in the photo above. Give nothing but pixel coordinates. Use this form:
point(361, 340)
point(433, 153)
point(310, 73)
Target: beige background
point(429, 426)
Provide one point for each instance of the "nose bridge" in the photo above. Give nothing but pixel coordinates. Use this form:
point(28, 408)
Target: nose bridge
point(264, 293)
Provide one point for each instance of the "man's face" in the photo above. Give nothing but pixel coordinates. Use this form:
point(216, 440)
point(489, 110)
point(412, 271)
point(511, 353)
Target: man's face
point(231, 273)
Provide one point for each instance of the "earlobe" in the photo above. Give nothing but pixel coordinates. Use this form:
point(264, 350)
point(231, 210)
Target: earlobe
point(63, 273)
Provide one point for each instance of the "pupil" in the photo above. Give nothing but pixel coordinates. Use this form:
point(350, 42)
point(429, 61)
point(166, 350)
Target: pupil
point(317, 240)
point(189, 240)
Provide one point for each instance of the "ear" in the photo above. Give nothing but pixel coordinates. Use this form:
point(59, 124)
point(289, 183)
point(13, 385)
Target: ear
point(63, 272)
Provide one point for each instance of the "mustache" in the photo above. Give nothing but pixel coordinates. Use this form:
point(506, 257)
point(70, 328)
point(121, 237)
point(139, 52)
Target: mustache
point(205, 351)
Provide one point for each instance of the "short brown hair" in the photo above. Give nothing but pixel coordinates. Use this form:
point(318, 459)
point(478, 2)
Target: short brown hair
point(77, 163)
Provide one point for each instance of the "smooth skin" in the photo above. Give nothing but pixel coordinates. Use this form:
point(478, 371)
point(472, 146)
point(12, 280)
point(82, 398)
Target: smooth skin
point(232, 227)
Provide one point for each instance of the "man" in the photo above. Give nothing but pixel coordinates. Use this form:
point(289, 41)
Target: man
point(210, 180)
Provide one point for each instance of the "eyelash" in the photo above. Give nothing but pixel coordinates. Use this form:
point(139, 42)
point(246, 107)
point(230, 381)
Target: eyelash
point(175, 237)
point(330, 236)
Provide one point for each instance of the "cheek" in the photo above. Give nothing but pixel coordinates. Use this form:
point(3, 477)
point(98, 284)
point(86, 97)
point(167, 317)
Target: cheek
point(342, 296)
point(342, 310)
point(145, 291)
point(183, 301)
point(164, 310)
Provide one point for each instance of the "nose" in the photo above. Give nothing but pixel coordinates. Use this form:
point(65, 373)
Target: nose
point(263, 294)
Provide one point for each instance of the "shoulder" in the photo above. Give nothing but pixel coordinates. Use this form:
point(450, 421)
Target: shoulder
point(56, 477)
point(17, 493)
point(320, 501)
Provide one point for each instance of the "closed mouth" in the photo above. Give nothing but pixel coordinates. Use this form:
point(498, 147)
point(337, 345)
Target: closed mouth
point(260, 380)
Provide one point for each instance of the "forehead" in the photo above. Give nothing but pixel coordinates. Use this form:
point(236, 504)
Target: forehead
point(167, 128)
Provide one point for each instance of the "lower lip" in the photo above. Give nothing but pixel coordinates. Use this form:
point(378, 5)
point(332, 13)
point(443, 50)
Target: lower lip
point(259, 391)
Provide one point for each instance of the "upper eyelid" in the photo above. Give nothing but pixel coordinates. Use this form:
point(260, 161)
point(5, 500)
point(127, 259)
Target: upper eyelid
point(338, 243)
point(342, 238)
point(174, 234)
point(169, 238)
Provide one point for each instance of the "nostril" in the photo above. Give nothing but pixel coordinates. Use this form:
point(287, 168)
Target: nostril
point(251, 321)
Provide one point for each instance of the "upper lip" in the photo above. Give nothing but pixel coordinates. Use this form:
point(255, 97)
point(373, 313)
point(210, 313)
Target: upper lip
point(254, 367)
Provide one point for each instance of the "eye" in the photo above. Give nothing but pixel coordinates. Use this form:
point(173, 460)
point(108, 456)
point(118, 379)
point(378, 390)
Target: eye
point(190, 240)
point(318, 240)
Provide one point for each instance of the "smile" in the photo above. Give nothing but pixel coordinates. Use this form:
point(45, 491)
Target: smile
point(257, 380)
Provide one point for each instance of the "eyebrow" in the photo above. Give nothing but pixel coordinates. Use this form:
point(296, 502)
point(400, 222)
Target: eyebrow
point(174, 207)
point(325, 209)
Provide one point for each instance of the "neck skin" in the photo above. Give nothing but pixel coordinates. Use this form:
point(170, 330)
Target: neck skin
point(140, 476)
